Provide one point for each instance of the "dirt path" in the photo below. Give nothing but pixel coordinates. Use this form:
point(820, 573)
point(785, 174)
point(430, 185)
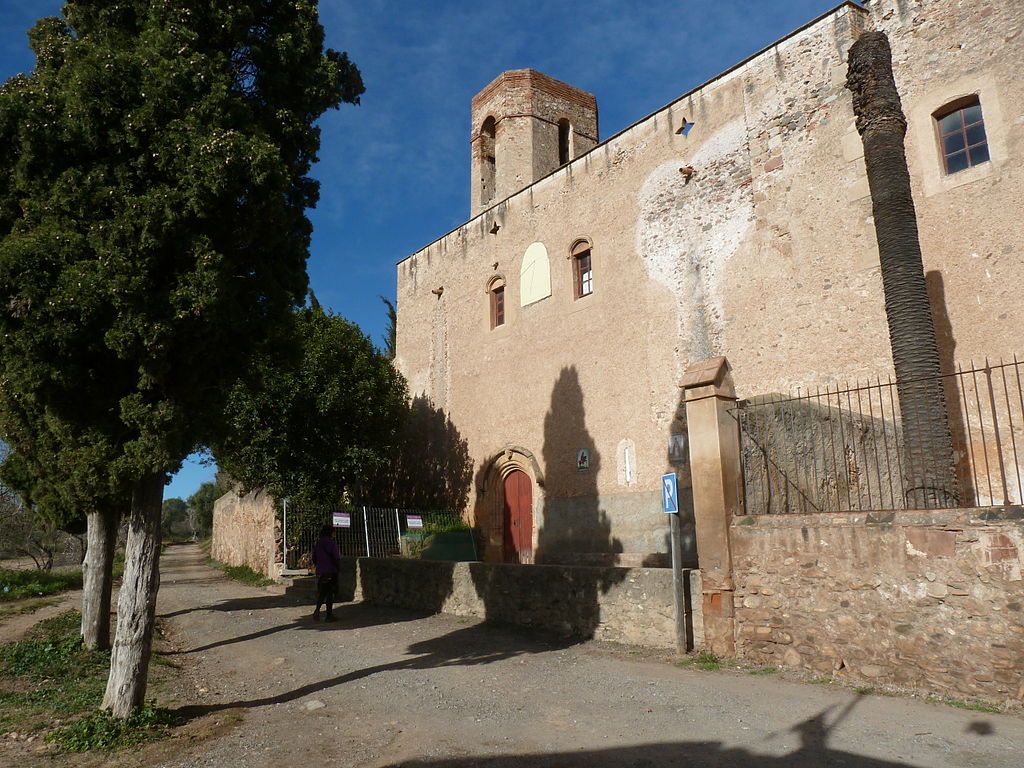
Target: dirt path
point(390, 688)
point(17, 626)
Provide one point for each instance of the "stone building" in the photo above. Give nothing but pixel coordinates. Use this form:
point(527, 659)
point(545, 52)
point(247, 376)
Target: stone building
point(554, 326)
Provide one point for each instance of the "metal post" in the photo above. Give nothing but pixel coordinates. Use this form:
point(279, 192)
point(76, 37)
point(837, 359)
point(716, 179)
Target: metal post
point(398, 531)
point(366, 530)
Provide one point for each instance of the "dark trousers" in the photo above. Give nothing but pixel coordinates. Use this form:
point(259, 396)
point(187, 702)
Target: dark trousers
point(326, 588)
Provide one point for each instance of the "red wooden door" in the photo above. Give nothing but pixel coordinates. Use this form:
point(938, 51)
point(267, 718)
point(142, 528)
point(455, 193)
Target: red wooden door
point(518, 518)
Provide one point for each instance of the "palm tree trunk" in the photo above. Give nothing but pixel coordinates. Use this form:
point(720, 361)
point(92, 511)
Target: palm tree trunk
point(136, 604)
point(97, 577)
point(929, 470)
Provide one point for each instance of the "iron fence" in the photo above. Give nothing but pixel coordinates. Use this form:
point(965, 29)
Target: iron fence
point(844, 449)
point(361, 531)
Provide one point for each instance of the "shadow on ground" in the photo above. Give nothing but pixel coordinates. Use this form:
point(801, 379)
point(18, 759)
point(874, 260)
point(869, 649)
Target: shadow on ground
point(680, 754)
point(354, 616)
point(813, 752)
point(479, 644)
point(258, 603)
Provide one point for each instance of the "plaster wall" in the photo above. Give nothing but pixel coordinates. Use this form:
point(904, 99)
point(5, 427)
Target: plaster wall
point(766, 255)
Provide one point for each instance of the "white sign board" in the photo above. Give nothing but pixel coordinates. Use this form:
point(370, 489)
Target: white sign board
point(413, 521)
point(341, 520)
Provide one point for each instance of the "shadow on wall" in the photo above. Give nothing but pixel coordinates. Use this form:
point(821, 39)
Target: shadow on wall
point(677, 459)
point(431, 469)
point(947, 366)
point(841, 449)
point(572, 529)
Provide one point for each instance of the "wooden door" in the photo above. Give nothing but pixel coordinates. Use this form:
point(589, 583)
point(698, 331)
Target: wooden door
point(518, 518)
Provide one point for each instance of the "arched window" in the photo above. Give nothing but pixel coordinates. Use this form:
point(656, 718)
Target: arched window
point(582, 268)
point(488, 166)
point(496, 300)
point(962, 139)
point(564, 132)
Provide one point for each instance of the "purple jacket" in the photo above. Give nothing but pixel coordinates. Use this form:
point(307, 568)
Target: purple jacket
point(326, 557)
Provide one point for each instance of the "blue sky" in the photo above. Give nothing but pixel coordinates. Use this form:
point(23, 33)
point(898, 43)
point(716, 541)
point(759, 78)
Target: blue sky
point(395, 170)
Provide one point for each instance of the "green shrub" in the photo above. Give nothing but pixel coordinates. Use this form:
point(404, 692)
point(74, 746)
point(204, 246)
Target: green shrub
point(443, 524)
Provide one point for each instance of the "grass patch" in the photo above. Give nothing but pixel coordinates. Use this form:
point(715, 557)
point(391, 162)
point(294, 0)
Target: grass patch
point(764, 671)
point(49, 674)
point(974, 706)
point(17, 584)
point(100, 731)
point(704, 660)
point(242, 573)
point(29, 605)
point(863, 690)
point(821, 681)
point(50, 678)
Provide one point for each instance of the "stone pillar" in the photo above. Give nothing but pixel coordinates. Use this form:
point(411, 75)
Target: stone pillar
point(715, 465)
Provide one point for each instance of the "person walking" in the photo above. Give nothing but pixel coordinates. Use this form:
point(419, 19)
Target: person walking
point(327, 560)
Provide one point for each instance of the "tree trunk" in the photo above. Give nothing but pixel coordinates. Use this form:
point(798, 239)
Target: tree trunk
point(929, 466)
point(97, 577)
point(136, 605)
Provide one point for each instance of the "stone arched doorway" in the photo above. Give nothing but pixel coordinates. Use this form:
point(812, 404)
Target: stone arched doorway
point(507, 507)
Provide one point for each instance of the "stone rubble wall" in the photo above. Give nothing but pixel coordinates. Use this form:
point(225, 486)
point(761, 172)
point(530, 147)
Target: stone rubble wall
point(931, 601)
point(245, 531)
point(624, 605)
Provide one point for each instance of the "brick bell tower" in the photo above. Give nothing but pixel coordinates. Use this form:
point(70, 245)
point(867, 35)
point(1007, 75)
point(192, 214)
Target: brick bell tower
point(525, 125)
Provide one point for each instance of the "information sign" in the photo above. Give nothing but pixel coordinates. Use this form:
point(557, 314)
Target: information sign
point(669, 494)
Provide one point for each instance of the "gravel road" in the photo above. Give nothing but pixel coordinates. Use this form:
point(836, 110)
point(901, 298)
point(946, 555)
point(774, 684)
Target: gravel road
point(393, 688)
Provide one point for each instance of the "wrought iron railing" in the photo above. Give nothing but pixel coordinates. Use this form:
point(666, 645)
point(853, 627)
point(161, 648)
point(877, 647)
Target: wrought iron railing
point(843, 448)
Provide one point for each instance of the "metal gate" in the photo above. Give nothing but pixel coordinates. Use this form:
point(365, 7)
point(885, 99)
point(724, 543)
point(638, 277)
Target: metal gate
point(361, 531)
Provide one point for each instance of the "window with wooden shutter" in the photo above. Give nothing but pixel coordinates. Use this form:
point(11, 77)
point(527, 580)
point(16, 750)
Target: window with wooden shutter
point(583, 269)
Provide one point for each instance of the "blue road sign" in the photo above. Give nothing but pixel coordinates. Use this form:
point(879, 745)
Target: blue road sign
point(669, 494)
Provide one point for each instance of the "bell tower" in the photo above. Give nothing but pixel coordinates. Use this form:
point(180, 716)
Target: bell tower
point(525, 125)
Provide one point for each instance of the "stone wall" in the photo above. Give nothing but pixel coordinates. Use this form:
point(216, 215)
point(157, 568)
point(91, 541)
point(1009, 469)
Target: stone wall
point(929, 601)
point(246, 531)
point(626, 605)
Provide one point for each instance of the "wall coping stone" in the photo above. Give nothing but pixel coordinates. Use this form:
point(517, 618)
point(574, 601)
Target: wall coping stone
point(935, 517)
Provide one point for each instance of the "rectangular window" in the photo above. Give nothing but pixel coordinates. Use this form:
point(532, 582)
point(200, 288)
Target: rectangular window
point(962, 136)
point(498, 306)
point(584, 275)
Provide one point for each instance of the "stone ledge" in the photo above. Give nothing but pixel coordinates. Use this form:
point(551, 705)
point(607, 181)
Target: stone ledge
point(931, 517)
